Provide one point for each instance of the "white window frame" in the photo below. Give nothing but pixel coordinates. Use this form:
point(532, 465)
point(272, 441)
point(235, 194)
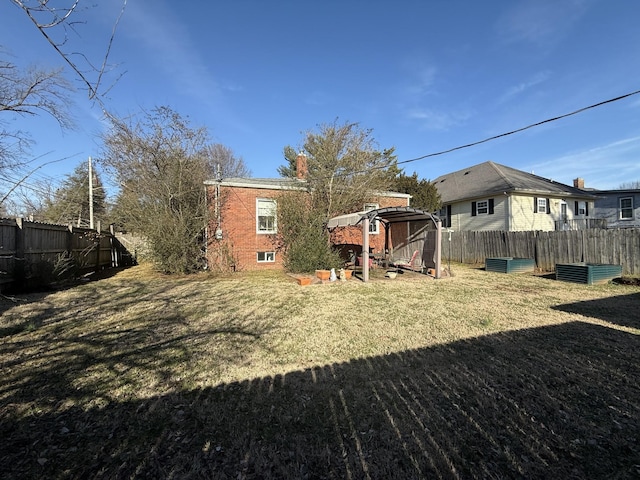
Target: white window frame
point(267, 257)
point(374, 227)
point(623, 209)
point(262, 204)
point(582, 208)
point(542, 205)
point(482, 207)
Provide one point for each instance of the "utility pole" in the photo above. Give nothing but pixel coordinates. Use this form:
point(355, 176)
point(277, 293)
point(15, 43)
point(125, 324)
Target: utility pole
point(90, 195)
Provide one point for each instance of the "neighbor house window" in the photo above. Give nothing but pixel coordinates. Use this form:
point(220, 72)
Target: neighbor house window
point(264, 257)
point(445, 215)
point(541, 205)
point(581, 209)
point(266, 217)
point(626, 208)
point(482, 207)
point(374, 227)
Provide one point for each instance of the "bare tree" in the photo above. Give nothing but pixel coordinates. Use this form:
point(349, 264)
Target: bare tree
point(223, 158)
point(635, 185)
point(161, 163)
point(29, 92)
point(54, 21)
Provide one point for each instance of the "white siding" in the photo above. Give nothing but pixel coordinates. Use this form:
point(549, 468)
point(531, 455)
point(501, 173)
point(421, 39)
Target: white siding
point(513, 213)
point(461, 218)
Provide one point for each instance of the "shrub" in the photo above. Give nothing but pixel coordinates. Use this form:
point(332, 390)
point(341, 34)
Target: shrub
point(303, 239)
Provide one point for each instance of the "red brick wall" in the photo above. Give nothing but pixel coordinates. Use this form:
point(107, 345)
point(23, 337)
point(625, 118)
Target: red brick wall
point(238, 223)
point(353, 235)
point(240, 237)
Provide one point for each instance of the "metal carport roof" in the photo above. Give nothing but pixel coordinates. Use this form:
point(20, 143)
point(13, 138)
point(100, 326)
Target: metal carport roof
point(387, 215)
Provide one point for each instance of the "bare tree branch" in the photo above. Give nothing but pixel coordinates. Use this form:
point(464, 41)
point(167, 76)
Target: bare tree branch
point(48, 18)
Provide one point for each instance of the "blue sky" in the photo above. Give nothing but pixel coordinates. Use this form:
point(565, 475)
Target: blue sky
point(426, 76)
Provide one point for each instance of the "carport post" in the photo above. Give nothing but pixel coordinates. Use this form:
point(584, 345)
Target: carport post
point(438, 251)
point(365, 249)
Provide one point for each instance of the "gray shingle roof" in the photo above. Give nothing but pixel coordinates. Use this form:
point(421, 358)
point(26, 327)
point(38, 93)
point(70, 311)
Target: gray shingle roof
point(489, 178)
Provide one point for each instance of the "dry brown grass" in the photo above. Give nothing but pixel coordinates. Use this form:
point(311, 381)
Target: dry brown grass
point(251, 376)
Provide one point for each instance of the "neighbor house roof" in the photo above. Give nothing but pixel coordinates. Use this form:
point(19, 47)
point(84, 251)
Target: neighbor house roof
point(489, 178)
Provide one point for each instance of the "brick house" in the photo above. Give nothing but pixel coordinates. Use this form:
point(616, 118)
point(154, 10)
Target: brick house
point(243, 229)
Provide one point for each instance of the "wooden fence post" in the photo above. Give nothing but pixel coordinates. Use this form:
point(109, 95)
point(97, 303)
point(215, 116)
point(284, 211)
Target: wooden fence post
point(70, 241)
point(112, 245)
point(19, 239)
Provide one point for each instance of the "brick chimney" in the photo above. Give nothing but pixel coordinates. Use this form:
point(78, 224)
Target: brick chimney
point(301, 166)
point(578, 183)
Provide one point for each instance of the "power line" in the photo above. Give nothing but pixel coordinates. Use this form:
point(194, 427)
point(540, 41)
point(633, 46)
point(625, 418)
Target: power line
point(473, 144)
point(537, 124)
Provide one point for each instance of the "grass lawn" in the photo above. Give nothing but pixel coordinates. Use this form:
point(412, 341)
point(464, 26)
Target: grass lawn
point(481, 375)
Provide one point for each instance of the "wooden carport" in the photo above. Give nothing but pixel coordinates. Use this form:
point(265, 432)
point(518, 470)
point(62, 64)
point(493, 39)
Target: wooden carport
point(388, 216)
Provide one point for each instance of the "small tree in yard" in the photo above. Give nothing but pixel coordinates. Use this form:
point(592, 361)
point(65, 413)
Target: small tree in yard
point(345, 168)
point(161, 163)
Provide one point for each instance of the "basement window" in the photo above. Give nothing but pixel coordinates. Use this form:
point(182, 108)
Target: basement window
point(266, 257)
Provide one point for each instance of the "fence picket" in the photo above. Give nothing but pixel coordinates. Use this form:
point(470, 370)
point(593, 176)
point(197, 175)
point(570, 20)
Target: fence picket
point(608, 246)
point(31, 242)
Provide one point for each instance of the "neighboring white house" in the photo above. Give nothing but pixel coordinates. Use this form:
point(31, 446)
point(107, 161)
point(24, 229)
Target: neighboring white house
point(490, 196)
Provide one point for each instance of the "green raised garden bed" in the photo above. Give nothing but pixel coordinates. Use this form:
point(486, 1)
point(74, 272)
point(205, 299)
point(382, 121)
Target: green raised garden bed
point(510, 265)
point(588, 273)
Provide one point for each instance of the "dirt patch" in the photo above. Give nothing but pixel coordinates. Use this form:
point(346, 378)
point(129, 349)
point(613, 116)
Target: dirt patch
point(628, 281)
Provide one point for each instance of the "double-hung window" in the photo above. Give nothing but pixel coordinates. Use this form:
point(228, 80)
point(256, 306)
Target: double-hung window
point(266, 215)
point(626, 208)
point(482, 207)
point(542, 205)
point(582, 208)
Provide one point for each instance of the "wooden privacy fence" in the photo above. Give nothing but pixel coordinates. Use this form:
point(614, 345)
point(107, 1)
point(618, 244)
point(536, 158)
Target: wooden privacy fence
point(24, 243)
point(610, 246)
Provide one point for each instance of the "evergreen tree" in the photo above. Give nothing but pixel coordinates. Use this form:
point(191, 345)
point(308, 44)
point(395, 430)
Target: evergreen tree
point(70, 202)
point(424, 194)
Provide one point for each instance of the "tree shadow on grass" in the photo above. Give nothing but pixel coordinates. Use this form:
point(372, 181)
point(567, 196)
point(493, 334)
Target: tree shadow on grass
point(552, 402)
point(12, 296)
point(623, 310)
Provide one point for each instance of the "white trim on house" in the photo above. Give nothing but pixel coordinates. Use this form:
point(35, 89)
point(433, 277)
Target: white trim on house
point(261, 183)
point(284, 184)
point(268, 257)
point(622, 209)
point(273, 214)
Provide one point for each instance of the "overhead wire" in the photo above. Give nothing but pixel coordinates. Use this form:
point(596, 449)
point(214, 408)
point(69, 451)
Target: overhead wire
point(505, 134)
point(518, 130)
